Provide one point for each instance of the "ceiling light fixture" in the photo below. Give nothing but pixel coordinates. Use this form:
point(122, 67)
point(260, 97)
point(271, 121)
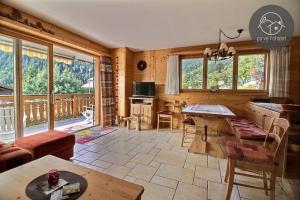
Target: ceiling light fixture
point(223, 52)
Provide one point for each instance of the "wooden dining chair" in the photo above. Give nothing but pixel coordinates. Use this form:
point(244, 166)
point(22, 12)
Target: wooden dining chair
point(166, 115)
point(261, 159)
point(188, 128)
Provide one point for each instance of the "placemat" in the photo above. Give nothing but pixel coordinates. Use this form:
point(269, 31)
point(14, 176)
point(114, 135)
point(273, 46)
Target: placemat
point(33, 193)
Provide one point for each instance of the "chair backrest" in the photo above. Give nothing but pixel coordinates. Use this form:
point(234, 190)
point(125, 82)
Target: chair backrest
point(169, 105)
point(278, 132)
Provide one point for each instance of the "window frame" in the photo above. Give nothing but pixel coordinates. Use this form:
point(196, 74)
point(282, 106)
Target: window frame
point(234, 88)
point(180, 72)
point(266, 70)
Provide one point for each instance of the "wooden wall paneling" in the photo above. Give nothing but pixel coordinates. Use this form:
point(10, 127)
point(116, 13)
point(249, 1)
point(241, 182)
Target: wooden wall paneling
point(123, 76)
point(98, 98)
point(295, 70)
point(128, 80)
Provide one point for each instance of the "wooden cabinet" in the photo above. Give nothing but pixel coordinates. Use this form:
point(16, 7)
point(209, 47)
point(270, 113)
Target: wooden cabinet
point(146, 107)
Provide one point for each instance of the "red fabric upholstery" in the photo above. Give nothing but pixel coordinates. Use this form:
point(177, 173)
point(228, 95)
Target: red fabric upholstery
point(55, 143)
point(12, 156)
point(248, 152)
point(188, 121)
point(246, 129)
point(166, 112)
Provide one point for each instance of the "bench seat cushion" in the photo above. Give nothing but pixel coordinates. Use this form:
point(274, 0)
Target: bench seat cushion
point(246, 129)
point(248, 152)
point(55, 143)
point(12, 156)
point(189, 121)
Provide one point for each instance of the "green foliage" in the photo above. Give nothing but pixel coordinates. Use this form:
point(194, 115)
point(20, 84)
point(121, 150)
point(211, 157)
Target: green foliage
point(67, 78)
point(251, 72)
point(66, 82)
point(220, 74)
point(192, 73)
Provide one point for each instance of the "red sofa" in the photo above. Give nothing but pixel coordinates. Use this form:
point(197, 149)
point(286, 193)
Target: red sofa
point(54, 143)
point(12, 156)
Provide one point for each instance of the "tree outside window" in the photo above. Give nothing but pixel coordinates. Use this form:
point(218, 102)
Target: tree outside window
point(192, 73)
point(251, 72)
point(220, 74)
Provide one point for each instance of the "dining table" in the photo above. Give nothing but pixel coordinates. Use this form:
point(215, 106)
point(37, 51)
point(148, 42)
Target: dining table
point(203, 142)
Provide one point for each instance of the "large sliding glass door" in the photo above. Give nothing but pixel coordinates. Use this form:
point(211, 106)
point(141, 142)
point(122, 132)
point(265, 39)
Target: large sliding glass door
point(73, 89)
point(35, 87)
point(24, 87)
point(7, 99)
point(43, 88)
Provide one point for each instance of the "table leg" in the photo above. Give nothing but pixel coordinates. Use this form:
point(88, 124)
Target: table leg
point(205, 133)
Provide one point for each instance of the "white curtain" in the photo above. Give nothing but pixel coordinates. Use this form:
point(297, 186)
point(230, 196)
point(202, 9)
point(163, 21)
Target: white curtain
point(279, 72)
point(172, 81)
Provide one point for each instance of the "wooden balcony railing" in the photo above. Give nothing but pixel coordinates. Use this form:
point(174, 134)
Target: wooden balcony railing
point(35, 109)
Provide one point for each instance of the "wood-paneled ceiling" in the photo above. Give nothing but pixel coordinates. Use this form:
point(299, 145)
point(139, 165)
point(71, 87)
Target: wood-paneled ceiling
point(152, 24)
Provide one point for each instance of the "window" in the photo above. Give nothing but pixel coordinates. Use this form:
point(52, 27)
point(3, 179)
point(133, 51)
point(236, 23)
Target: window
point(220, 74)
point(192, 73)
point(251, 72)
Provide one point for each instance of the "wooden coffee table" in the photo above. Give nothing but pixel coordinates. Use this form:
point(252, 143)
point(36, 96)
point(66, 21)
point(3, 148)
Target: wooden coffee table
point(100, 185)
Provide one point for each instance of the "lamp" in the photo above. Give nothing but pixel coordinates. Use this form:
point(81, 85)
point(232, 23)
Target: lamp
point(223, 52)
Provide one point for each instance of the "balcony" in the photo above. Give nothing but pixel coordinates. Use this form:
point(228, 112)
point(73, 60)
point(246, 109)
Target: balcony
point(68, 109)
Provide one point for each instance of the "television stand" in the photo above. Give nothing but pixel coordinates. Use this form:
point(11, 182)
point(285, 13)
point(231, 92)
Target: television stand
point(146, 108)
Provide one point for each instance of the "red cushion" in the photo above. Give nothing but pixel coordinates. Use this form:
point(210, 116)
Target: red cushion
point(251, 133)
point(246, 129)
point(248, 152)
point(50, 142)
point(12, 156)
point(166, 112)
point(188, 121)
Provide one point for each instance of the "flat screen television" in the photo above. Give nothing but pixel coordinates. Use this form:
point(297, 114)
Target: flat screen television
point(143, 89)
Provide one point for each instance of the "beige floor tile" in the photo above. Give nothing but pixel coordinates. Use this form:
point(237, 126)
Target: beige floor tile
point(154, 164)
point(96, 148)
point(164, 182)
point(197, 159)
point(191, 166)
point(79, 147)
point(102, 164)
point(200, 182)
point(130, 164)
point(144, 148)
point(88, 157)
point(254, 194)
point(165, 145)
point(171, 158)
point(223, 166)
point(116, 158)
point(130, 179)
point(122, 147)
point(117, 171)
point(213, 162)
point(190, 192)
point(177, 173)
point(154, 151)
point(217, 191)
point(144, 159)
point(155, 192)
point(208, 174)
point(142, 172)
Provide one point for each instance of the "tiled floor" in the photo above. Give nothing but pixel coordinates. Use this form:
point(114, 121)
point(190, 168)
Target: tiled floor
point(166, 170)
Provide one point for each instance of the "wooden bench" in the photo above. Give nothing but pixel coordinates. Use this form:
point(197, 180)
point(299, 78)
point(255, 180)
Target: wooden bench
point(253, 127)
